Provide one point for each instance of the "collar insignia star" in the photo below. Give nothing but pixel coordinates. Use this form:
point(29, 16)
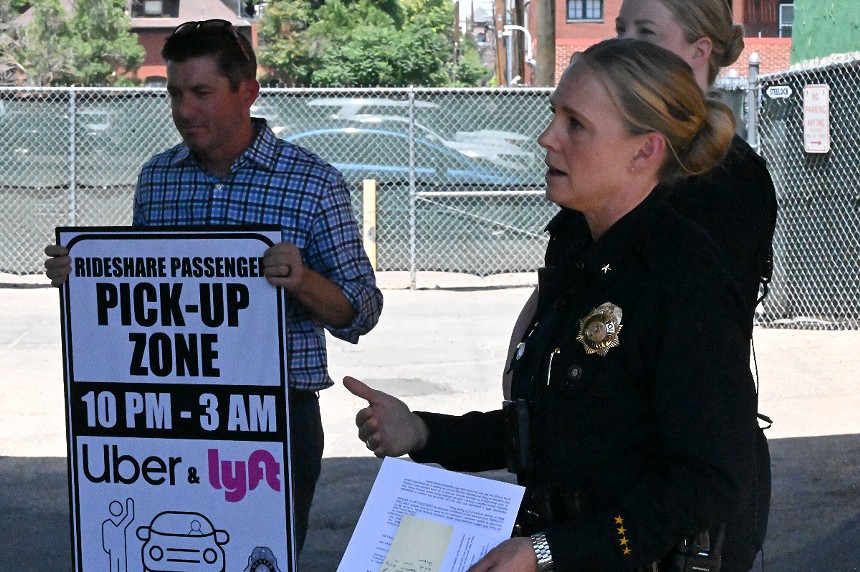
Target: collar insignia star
point(598, 331)
point(605, 268)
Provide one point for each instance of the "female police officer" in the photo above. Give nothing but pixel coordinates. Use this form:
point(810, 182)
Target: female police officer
point(735, 203)
point(628, 438)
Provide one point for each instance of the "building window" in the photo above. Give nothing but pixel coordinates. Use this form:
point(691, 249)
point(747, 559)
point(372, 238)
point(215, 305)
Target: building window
point(585, 9)
point(154, 8)
point(786, 20)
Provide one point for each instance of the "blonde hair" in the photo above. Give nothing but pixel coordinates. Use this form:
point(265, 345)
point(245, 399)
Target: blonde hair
point(711, 19)
point(655, 91)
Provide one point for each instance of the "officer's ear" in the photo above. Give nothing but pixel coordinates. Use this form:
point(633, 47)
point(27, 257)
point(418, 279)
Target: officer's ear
point(650, 154)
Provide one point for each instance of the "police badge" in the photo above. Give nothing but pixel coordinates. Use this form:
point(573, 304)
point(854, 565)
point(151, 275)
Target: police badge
point(262, 559)
point(598, 331)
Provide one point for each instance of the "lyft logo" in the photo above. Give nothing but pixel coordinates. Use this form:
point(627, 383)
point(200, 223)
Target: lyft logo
point(238, 477)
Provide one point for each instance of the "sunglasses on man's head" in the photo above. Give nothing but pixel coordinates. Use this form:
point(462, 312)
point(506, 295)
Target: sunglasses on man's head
point(216, 24)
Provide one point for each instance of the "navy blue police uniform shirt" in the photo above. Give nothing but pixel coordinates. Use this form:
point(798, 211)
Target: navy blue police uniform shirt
point(656, 437)
point(735, 203)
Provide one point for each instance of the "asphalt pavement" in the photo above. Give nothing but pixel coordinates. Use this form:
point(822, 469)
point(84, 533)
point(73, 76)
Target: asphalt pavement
point(440, 347)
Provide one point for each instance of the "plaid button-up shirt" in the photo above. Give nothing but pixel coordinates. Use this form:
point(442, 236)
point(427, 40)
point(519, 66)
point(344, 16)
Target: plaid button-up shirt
point(274, 182)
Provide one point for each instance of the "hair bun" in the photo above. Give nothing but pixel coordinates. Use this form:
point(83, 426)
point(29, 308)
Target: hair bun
point(712, 142)
point(734, 46)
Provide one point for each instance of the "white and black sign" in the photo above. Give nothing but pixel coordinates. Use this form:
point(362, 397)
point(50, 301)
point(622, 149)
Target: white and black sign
point(779, 91)
point(177, 418)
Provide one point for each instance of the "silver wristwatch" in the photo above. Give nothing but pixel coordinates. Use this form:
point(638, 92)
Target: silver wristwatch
point(544, 556)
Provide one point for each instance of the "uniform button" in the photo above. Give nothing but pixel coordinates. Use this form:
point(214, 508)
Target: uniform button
point(219, 186)
point(574, 372)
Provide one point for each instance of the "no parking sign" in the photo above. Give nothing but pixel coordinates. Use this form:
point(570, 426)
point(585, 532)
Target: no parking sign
point(816, 118)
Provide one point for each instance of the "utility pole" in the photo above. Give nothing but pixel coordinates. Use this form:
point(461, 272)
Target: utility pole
point(456, 40)
point(499, 21)
point(545, 52)
point(517, 48)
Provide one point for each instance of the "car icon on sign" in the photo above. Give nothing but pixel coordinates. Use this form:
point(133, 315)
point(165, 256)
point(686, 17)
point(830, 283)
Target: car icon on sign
point(182, 541)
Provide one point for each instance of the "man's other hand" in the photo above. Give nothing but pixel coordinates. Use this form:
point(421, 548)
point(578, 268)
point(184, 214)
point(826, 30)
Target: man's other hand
point(59, 265)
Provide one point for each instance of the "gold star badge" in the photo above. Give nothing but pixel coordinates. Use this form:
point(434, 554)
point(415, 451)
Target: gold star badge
point(598, 331)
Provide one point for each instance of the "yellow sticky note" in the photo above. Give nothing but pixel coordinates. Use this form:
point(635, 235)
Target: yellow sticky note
point(419, 545)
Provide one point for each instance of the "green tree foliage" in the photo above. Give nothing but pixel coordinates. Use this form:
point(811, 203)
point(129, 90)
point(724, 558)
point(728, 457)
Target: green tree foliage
point(359, 43)
point(8, 38)
point(41, 51)
point(9, 9)
point(92, 47)
point(103, 46)
point(283, 46)
point(471, 69)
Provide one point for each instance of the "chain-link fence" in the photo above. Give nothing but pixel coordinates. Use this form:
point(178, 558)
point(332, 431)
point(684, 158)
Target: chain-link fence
point(459, 173)
point(71, 157)
point(816, 282)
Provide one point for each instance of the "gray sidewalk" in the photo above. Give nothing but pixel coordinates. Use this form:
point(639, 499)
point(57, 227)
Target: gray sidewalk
point(442, 349)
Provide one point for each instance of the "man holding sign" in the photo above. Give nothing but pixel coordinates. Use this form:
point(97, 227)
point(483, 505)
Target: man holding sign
point(231, 169)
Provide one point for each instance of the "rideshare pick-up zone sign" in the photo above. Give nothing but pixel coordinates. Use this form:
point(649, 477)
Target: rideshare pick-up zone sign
point(176, 395)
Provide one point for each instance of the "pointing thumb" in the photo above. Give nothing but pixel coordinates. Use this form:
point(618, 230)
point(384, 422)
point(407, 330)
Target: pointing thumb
point(360, 389)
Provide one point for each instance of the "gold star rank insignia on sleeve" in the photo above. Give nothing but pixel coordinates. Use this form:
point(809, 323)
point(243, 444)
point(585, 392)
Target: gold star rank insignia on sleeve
point(598, 331)
point(623, 542)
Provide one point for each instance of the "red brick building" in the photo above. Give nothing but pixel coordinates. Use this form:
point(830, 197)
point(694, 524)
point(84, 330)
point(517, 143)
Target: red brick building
point(153, 20)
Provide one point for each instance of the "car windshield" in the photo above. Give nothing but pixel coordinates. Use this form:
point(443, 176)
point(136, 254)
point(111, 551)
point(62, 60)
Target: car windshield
point(180, 523)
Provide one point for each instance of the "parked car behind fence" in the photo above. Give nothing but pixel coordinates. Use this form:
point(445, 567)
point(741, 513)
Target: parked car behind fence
point(467, 214)
point(469, 201)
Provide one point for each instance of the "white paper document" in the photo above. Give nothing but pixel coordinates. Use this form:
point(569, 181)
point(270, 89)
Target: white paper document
point(419, 518)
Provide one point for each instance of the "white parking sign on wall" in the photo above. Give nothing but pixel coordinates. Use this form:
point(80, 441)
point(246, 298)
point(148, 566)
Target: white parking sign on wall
point(816, 118)
point(176, 401)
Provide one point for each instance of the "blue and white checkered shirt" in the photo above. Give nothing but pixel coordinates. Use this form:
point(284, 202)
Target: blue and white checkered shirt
point(274, 182)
